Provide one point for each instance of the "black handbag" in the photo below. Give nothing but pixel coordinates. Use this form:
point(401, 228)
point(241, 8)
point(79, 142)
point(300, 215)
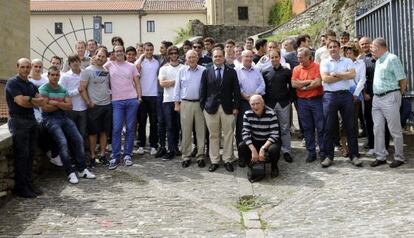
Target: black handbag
point(256, 171)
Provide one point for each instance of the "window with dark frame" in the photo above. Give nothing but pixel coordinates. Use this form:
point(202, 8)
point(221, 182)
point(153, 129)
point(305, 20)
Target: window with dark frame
point(243, 13)
point(58, 28)
point(150, 26)
point(108, 27)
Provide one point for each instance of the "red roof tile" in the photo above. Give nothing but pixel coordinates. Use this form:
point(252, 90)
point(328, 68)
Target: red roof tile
point(174, 5)
point(85, 5)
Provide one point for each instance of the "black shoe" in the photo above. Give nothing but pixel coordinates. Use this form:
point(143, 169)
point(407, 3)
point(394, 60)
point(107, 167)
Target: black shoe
point(229, 167)
point(194, 152)
point(213, 167)
point(160, 152)
point(185, 163)
point(242, 163)
point(201, 163)
point(288, 157)
point(396, 163)
point(177, 152)
point(378, 162)
point(169, 156)
point(26, 193)
point(35, 190)
point(310, 158)
point(274, 172)
point(103, 159)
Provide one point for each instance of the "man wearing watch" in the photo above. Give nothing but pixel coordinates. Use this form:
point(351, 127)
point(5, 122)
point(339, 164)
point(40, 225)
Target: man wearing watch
point(261, 136)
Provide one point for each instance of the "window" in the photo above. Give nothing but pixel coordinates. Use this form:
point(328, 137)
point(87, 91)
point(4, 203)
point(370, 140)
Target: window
point(150, 26)
point(243, 13)
point(58, 28)
point(108, 27)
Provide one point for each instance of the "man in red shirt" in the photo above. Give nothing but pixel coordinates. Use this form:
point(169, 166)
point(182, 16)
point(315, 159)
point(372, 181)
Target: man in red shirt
point(306, 78)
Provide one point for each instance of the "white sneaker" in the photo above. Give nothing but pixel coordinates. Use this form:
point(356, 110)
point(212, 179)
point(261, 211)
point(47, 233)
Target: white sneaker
point(153, 151)
point(56, 161)
point(371, 152)
point(140, 150)
point(127, 160)
point(86, 174)
point(72, 178)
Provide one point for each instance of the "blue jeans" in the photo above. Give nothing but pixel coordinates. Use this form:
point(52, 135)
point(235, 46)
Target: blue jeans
point(124, 112)
point(172, 123)
point(310, 113)
point(63, 129)
point(342, 101)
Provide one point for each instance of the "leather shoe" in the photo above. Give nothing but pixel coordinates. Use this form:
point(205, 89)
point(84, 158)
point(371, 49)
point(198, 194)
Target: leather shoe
point(310, 158)
point(274, 172)
point(177, 151)
point(213, 167)
point(35, 190)
point(378, 163)
point(26, 193)
point(201, 163)
point(242, 163)
point(396, 163)
point(288, 157)
point(185, 163)
point(161, 152)
point(229, 167)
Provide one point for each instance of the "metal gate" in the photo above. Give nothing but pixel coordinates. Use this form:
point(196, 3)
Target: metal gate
point(392, 20)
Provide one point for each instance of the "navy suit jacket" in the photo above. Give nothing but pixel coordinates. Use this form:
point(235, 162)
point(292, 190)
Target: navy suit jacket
point(215, 92)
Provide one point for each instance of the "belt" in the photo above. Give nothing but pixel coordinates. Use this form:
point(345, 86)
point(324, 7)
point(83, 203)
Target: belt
point(337, 92)
point(385, 93)
point(190, 100)
point(314, 97)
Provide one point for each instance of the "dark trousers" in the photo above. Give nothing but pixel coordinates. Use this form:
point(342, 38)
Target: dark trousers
point(273, 154)
point(369, 126)
point(148, 108)
point(172, 122)
point(310, 112)
point(332, 103)
point(81, 119)
point(244, 106)
point(162, 131)
point(46, 142)
point(24, 135)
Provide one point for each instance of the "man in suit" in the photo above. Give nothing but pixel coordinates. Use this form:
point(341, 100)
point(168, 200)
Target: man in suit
point(219, 99)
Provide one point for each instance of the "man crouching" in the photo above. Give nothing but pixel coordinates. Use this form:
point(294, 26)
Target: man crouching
point(261, 138)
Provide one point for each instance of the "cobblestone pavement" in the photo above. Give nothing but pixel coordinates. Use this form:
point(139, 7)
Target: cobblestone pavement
point(155, 198)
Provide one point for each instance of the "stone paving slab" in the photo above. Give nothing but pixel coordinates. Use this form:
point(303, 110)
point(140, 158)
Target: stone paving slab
point(155, 198)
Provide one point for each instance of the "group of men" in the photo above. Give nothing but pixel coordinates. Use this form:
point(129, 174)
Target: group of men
point(212, 95)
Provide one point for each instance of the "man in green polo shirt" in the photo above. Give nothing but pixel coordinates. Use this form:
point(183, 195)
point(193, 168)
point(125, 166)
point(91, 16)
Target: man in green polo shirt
point(389, 85)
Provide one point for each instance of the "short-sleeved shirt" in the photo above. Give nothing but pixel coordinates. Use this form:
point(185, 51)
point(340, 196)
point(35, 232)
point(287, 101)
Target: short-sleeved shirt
point(39, 82)
point(329, 66)
point(17, 86)
point(149, 79)
point(122, 79)
point(388, 72)
point(56, 94)
point(97, 79)
point(301, 73)
point(169, 72)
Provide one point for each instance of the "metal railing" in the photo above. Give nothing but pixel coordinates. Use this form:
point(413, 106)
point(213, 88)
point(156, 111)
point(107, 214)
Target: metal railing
point(392, 20)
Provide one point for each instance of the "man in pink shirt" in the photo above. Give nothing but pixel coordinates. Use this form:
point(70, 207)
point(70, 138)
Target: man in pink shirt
point(126, 96)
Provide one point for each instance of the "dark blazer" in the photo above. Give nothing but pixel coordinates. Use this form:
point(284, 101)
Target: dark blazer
point(215, 92)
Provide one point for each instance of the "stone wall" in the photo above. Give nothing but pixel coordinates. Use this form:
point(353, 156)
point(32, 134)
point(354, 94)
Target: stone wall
point(221, 33)
point(7, 164)
point(15, 35)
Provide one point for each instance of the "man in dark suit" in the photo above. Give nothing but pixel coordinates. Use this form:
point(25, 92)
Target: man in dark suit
point(219, 99)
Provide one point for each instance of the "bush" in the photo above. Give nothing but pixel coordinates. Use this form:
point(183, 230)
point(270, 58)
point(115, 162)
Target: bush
point(281, 12)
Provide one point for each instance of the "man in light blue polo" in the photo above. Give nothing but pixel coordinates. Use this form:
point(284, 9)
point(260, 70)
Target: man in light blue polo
point(337, 73)
point(389, 85)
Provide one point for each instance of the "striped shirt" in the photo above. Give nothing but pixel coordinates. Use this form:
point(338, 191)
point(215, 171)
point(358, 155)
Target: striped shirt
point(261, 128)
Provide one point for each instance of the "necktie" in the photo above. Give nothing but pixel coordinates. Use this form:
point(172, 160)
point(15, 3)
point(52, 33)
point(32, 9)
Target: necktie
point(218, 75)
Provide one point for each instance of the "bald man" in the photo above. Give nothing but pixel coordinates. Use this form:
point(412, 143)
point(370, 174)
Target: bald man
point(21, 97)
point(261, 138)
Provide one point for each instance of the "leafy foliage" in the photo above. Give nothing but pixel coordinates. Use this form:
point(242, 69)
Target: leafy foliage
point(183, 33)
point(281, 12)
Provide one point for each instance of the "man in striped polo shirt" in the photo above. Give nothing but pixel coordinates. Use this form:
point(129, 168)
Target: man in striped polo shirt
point(261, 137)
